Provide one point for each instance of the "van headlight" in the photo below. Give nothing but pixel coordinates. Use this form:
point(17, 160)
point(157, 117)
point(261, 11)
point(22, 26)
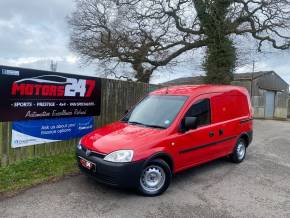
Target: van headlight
point(121, 156)
point(79, 145)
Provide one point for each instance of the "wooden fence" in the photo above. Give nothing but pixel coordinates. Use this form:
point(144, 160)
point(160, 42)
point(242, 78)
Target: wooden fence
point(117, 97)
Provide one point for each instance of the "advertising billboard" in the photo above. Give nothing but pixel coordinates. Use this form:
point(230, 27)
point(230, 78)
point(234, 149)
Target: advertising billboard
point(34, 94)
point(32, 132)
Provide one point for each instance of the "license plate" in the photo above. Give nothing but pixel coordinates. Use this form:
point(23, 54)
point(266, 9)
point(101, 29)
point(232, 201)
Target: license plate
point(87, 164)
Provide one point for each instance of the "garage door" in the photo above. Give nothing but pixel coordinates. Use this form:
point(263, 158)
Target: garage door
point(270, 104)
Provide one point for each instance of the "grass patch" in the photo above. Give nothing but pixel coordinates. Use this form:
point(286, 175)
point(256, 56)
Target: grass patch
point(34, 171)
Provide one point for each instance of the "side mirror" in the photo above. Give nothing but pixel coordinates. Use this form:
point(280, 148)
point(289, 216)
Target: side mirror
point(190, 123)
point(126, 111)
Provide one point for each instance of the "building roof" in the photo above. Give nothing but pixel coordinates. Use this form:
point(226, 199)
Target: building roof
point(251, 76)
point(195, 90)
point(185, 81)
point(199, 79)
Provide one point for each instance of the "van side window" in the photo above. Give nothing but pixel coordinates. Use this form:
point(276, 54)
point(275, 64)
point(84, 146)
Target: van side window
point(201, 110)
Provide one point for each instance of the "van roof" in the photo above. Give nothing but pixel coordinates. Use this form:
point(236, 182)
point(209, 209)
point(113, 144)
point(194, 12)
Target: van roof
point(195, 90)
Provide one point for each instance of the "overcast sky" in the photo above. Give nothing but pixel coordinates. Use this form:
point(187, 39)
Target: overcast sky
point(34, 32)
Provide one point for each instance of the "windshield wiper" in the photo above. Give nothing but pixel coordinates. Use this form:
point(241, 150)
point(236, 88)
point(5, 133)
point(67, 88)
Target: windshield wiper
point(155, 126)
point(146, 125)
point(136, 123)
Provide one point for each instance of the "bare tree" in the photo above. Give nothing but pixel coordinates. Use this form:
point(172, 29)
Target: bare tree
point(151, 33)
point(116, 32)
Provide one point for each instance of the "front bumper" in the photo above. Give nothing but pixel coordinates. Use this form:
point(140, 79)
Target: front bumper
point(115, 174)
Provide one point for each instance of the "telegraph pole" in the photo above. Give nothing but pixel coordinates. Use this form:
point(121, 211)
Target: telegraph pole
point(53, 66)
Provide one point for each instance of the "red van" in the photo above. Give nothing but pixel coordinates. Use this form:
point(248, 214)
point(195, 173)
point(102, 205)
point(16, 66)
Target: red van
point(170, 130)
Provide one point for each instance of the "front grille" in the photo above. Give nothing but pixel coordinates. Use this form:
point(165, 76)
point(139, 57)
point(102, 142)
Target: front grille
point(93, 153)
point(106, 179)
point(110, 180)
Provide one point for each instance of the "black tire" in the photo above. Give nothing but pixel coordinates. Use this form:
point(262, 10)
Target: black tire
point(157, 165)
point(236, 156)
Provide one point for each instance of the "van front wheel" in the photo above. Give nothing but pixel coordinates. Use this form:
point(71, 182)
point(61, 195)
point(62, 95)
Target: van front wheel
point(155, 178)
point(239, 152)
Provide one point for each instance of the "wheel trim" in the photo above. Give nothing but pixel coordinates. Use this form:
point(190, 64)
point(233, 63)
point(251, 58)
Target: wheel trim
point(152, 179)
point(241, 150)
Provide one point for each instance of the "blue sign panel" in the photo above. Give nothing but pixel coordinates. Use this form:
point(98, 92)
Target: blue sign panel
point(34, 132)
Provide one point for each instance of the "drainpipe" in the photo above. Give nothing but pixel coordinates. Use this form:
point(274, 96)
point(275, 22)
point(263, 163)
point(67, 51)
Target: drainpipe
point(252, 78)
point(253, 106)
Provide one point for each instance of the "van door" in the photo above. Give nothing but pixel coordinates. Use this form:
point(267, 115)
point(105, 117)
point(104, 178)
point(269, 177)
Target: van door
point(196, 146)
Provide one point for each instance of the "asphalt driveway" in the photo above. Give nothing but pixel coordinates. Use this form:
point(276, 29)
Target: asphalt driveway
point(259, 187)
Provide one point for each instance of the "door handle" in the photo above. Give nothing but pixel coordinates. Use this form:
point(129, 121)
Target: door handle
point(211, 134)
point(221, 131)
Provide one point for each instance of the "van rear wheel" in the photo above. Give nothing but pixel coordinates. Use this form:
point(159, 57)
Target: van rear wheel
point(239, 152)
point(155, 178)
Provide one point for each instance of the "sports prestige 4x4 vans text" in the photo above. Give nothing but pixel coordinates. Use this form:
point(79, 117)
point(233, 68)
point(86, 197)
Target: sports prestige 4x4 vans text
point(170, 130)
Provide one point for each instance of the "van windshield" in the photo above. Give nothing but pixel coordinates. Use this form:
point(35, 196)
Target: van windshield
point(156, 111)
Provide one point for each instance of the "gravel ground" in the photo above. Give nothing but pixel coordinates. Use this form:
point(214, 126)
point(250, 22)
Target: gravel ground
point(259, 187)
